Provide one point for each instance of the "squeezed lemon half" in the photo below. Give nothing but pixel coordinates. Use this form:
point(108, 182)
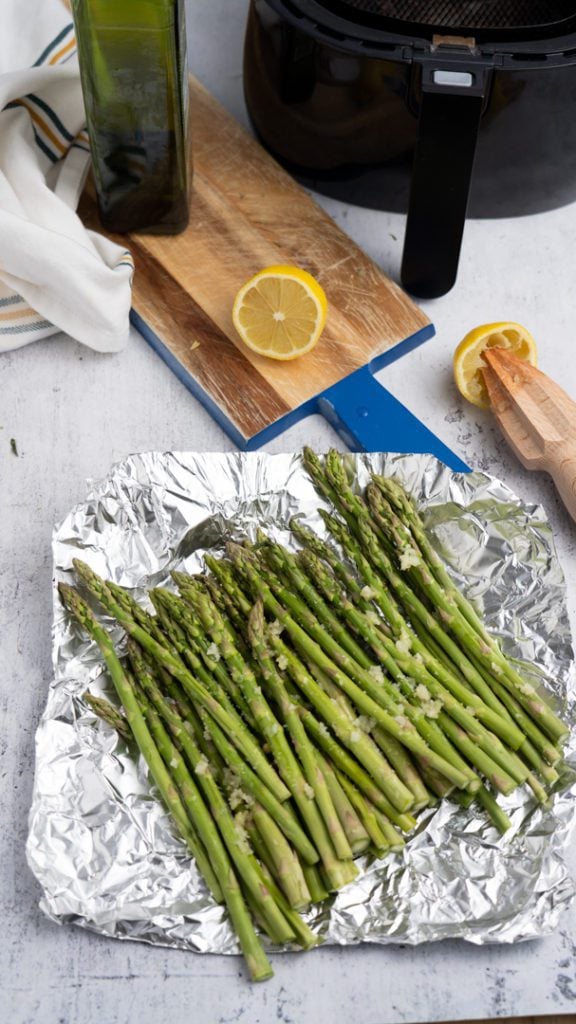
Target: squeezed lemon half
point(468, 357)
point(280, 312)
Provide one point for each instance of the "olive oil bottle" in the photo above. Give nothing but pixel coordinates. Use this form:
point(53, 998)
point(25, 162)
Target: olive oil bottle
point(134, 75)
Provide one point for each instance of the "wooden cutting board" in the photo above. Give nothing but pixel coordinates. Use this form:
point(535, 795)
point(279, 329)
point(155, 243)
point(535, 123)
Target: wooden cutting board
point(248, 213)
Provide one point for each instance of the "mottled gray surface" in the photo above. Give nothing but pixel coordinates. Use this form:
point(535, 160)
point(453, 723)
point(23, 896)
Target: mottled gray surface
point(72, 413)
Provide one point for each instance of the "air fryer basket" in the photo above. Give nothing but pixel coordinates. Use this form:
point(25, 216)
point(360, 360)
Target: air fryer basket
point(453, 97)
point(469, 14)
point(430, 76)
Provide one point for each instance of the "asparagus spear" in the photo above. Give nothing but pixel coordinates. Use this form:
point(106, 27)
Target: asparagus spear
point(224, 881)
point(332, 482)
point(400, 628)
point(286, 565)
point(402, 665)
point(400, 760)
point(196, 650)
point(400, 763)
point(237, 848)
point(479, 746)
point(280, 812)
point(109, 714)
point(137, 725)
point(311, 783)
point(355, 772)
point(234, 728)
point(498, 817)
point(318, 730)
point(429, 729)
point(313, 545)
point(288, 869)
point(304, 935)
point(316, 887)
point(486, 651)
point(407, 510)
point(367, 815)
point(491, 657)
point(282, 560)
point(395, 723)
point(355, 832)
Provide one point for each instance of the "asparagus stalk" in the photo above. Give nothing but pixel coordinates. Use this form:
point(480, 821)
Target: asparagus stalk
point(495, 662)
point(400, 760)
point(309, 789)
point(497, 816)
point(367, 815)
point(355, 832)
point(194, 590)
point(314, 546)
point(403, 666)
point(355, 772)
point(337, 486)
point(395, 841)
point(280, 812)
point(344, 760)
point(245, 679)
point(331, 480)
point(286, 565)
point(397, 499)
point(223, 572)
point(224, 881)
point(499, 778)
point(283, 562)
point(427, 727)
point(138, 728)
point(486, 651)
point(109, 714)
point(235, 843)
point(528, 726)
point(232, 726)
point(185, 785)
point(196, 650)
point(400, 627)
point(441, 788)
point(316, 887)
point(406, 508)
point(224, 603)
point(304, 935)
point(397, 724)
point(288, 869)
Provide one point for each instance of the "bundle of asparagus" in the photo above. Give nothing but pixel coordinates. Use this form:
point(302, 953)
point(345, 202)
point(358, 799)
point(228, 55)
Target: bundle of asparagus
point(297, 710)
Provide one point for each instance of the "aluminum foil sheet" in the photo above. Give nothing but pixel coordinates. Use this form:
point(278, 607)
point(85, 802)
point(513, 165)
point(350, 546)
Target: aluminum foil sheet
point(100, 843)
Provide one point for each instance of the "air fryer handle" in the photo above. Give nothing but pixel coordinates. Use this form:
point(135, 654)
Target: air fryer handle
point(443, 162)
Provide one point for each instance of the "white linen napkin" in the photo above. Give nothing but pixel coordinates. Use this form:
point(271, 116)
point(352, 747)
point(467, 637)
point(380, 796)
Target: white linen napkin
point(54, 274)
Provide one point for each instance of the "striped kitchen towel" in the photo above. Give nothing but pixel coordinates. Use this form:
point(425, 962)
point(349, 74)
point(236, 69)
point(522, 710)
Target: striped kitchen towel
point(54, 274)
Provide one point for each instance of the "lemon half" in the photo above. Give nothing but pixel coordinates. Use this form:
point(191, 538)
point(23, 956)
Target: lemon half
point(280, 312)
point(468, 361)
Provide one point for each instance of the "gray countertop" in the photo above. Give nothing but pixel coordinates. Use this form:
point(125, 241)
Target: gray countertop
point(73, 412)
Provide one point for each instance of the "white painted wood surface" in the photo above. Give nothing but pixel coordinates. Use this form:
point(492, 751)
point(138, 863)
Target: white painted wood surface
point(72, 413)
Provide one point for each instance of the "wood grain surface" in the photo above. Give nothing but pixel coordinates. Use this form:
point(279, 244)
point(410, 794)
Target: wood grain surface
point(556, 1018)
point(537, 418)
point(247, 213)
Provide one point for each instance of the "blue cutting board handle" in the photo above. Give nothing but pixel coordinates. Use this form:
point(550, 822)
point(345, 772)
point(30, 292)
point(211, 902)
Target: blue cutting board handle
point(369, 419)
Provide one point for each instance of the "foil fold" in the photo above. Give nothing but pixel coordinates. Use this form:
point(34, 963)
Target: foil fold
point(100, 843)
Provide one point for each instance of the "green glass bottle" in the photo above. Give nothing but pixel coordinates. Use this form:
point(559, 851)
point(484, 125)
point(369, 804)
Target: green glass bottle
point(134, 74)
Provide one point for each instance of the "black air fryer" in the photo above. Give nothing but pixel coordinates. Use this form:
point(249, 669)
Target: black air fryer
point(419, 105)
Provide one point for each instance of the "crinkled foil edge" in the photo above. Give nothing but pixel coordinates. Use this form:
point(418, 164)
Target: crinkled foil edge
point(101, 845)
